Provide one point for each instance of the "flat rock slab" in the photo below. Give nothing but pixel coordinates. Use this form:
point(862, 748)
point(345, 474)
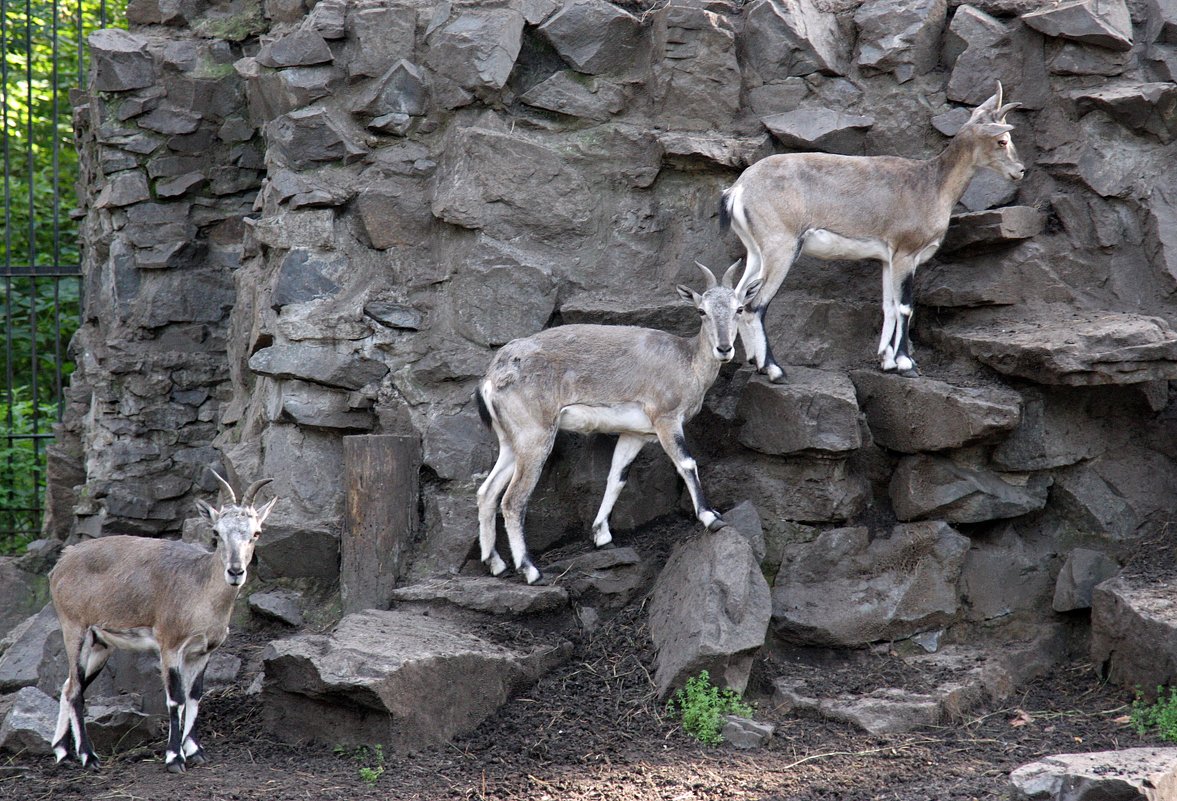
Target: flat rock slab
point(1147, 774)
point(608, 578)
point(846, 588)
point(942, 686)
point(1134, 631)
point(820, 129)
point(814, 411)
point(912, 415)
point(485, 594)
point(1075, 349)
point(933, 487)
point(980, 229)
point(1105, 23)
point(398, 678)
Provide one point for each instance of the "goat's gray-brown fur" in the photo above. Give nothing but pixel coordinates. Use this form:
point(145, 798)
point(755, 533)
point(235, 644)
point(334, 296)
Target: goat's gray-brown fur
point(892, 209)
point(639, 383)
point(144, 594)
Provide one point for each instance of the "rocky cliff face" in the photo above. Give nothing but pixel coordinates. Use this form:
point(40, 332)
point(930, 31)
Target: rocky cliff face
point(305, 223)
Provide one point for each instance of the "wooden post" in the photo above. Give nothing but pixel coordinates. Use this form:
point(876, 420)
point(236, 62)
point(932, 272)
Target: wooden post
point(379, 518)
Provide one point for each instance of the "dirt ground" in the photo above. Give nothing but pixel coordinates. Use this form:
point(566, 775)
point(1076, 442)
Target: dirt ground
point(593, 729)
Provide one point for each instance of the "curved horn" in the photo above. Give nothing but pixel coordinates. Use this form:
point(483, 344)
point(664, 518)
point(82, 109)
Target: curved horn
point(247, 498)
point(225, 484)
point(711, 281)
point(999, 115)
point(730, 274)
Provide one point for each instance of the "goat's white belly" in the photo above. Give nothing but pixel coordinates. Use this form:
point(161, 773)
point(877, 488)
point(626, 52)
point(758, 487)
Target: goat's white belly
point(137, 639)
point(621, 418)
point(825, 244)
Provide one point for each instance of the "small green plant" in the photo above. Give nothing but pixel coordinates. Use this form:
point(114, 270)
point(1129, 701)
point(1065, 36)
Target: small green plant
point(701, 706)
point(369, 758)
point(1160, 715)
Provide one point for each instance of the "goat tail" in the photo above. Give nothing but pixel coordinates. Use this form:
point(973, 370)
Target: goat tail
point(725, 211)
point(483, 408)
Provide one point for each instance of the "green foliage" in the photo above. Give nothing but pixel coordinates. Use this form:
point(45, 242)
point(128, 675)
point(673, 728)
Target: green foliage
point(369, 758)
point(21, 468)
point(701, 706)
point(1160, 715)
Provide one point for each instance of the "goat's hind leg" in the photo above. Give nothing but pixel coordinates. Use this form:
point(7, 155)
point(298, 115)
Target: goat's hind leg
point(488, 498)
point(903, 280)
point(777, 258)
point(531, 453)
point(87, 654)
point(624, 452)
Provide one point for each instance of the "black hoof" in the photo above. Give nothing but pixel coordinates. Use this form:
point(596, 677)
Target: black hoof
point(92, 763)
point(717, 524)
point(914, 372)
point(176, 766)
point(196, 758)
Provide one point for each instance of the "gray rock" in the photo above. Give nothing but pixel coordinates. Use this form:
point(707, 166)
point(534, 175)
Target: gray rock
point(1073, 348)
point(309, 137)
point(403, 89)
point(1131, 774)
point(291, 551)
point(485, 594)
point(120, 61)
point(306, 275)
point(984, 50)
point(1056, 429)
point(1148, 107)
point(123, 189)
point(845, 589)
point(980, 229)
point(821, 129)
point(569, 92)
point(1106, 23)
point(170, 120)
point(477, 50)
point(21, 594)
point(318, 364)
point(793, 38)
point(709, 611)
point(377, 37)
point(1084, 498)
point(899, 37)
point(925, 487)
point(28, 726)
point(392, 214)
point(593, 36)
point(988, 189)
point(299, 48)
point(744, 518)
point(284, 606)
point(314, 406)
point(1082, 571)
point(500, 298)
point(29, 650)
point(696, 75)
point(815, 411)
point(726, 151)
point(180, 185)
point(1074, 58)
point(1133, 637)
point(1009, 573)
point(607, 579)
point(223, 669)
point(396, 678)
point(480, 186)
point(119, 723)
point(923, 414)
point(887, 710)
point(744, 733)
point(1160, 227)
point(788, 489)
point(329, 18)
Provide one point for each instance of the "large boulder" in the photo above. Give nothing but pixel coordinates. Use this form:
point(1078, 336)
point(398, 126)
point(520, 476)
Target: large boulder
point(922, 414)
point(398, 678)
point(1129, 774)
point(696, 82)
point(709, 611)
point(478, 48)
point(847, 588)
point(899, 36)
point(783, 38)
point(1134, 632)
point(1106, 23)
point(814, 411)
point(984, 50)
point(594, 36)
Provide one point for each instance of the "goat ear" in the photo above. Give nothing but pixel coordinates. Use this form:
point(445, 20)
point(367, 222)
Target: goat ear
point(750, 292)
point(208, 511)
point(993, 129)
point(688, 294)
point(264, 512)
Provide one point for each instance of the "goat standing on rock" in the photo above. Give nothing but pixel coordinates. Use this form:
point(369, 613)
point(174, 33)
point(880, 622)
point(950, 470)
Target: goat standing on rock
point(639, 383)
point(892, 209)
point(143, 594)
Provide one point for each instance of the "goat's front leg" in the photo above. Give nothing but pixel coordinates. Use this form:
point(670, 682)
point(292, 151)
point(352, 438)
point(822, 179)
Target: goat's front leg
point(626, 450)
point(176, 692)
point(670, 437)
point(194, 668)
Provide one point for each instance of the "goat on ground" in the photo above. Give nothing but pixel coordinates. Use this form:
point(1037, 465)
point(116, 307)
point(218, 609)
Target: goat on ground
point(892, 209)
point(639, 383)
point(143, 594)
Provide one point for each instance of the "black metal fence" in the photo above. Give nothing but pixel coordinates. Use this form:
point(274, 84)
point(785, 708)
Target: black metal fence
point(44, 57)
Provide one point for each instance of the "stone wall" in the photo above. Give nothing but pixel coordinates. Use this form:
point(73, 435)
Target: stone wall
point(305, 223)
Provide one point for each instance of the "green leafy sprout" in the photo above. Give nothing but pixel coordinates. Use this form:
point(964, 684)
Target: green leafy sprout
point(701, 706)
point(1160, 715)
point(370, 759)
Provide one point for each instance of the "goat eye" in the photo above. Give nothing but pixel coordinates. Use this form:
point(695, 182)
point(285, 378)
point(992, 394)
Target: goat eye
point(702, 313)
point(1000, 143)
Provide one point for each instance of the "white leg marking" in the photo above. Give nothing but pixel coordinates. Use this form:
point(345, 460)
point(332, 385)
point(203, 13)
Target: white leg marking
point(624, 452)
